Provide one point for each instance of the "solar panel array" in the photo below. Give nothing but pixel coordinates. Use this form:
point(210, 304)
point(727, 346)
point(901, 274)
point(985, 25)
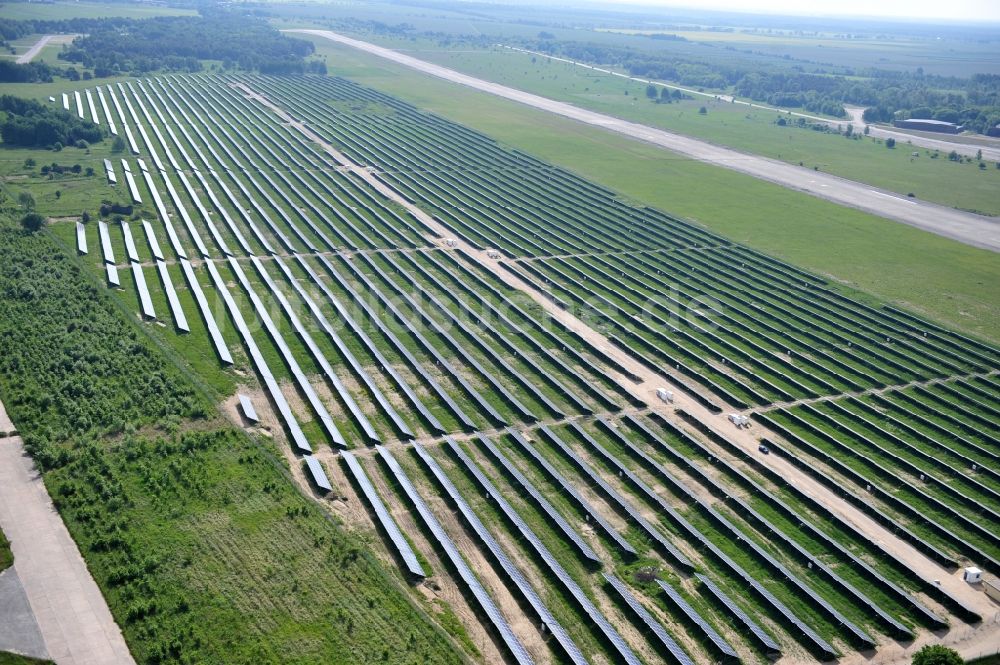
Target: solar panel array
point(317, 354)
point(81, 238)
point(539, 499)
point(402, 428)
point(280, 201)
point(145, 302)
point(106, 249)
point(815, 641)
point(385, 519)
point(130, 249)
point(301, 380)
point(776, 534)
point(500, 556)
point(574, 590)
point(760, 635)
point(676, 652)
point(249, 412)
point(665, 545)
point(514, 646)
point(568, 489)
point(317, 473)
point(870, 574)
point(721, 645)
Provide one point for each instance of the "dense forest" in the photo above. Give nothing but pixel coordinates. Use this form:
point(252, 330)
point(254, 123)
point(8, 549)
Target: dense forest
point(32, 72)
point(116, 46)
point(31, 124)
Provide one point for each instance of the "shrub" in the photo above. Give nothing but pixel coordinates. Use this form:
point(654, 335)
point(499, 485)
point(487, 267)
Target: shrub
point(32, 222)
point(937, 654)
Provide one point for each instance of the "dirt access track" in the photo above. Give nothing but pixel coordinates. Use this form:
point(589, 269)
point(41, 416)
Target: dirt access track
point(969, 228)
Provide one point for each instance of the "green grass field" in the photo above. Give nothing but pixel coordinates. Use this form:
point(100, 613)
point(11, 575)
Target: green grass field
point(959, 185)
point(54, 11)
point(945, 280)
point(17, 659)
point(947, 56)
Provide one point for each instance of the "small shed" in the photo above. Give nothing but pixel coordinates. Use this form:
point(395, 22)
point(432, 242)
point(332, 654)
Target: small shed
point(972, 575)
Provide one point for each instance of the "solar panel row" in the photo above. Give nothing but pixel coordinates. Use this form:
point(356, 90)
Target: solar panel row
point(721, 645)
point(399, 347)
point(574, 590)
point(539, 499)
point(402, 428)
point(270, 383)
point(317, 354)
point(317, 474)
point(514, 646)
point(513, 572)
point(568, 489)
point(708, 481)
point(727, 527)
point(301, 380)
point(385, 519)
point(666, 641)
point(667, 547)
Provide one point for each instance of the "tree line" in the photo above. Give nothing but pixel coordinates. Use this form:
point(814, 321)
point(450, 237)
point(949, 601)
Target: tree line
point(119, 46)
point(888, 95)
point(31, 124)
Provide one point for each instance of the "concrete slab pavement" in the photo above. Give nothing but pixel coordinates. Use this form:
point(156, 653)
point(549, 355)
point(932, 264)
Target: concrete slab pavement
point(72, 616)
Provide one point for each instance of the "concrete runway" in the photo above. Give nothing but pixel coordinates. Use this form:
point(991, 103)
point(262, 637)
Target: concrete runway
point(75, 623)
point(30, 54)
point(969, 228)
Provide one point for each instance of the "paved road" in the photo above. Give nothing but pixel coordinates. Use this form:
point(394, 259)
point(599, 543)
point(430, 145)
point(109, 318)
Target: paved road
point(30, 54)
point(70, 611)
point(991, 153)
point(975, 230)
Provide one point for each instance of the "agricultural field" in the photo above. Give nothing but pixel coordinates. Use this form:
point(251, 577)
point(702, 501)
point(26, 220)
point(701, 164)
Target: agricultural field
point(63, 9)
point(455, 348)
point(946, 56)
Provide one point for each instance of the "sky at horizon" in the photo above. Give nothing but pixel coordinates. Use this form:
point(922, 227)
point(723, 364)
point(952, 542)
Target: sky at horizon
point(958, 10)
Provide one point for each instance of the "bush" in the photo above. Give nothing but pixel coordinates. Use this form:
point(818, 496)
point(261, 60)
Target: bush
point(32, 222)
point(937, 654)
point(30, 124)
point(26, 200)
point(703, 111)
point(890, 143)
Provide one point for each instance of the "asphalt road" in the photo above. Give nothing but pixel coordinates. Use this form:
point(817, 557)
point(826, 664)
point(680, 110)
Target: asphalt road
point(969, 228)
